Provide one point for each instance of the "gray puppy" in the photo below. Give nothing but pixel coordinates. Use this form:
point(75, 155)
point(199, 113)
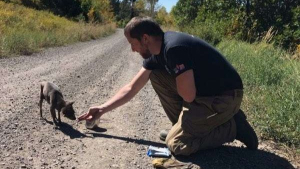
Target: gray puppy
point(51, 93)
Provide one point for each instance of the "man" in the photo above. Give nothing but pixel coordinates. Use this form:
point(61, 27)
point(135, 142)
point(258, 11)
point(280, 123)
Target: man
point(185, 72)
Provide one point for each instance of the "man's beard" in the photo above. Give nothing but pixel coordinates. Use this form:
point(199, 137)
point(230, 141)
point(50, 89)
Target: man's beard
point(146, 54)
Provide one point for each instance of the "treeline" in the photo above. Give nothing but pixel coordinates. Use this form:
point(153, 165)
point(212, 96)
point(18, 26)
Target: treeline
point(96, 11)
point(100, 11)
point(247, 20)
point(126, 9)
point(212, 20)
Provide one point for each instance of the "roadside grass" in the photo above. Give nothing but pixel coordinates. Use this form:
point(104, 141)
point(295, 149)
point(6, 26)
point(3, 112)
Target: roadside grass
point(272, 88)
point(25, 31)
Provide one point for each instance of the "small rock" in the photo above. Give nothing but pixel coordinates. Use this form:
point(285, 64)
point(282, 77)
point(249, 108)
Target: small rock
point(115, 166)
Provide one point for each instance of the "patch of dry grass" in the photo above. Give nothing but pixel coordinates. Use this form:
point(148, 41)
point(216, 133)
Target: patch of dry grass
point(24, 30)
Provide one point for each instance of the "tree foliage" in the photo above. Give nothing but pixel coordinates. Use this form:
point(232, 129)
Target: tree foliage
point(185, 11)
point(245, 19)
point(140, 8)
point(163, 17)
point(124, 14)
point(151, 4)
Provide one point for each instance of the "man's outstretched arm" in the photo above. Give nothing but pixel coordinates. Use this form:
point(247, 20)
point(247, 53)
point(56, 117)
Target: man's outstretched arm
point(125, 94)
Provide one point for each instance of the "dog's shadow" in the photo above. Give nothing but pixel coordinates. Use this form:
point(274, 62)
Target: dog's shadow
point(67, 129)
point(47, 121)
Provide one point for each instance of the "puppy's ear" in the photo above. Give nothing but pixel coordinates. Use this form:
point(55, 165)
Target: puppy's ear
point(70, 103)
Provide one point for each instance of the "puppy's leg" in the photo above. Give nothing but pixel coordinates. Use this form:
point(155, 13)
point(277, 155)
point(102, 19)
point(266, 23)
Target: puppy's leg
point(52, 111)
point(59, 121)
point(53, 106)
point(41, 101)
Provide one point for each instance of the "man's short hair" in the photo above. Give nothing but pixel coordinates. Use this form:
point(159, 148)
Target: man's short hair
point(138, 26)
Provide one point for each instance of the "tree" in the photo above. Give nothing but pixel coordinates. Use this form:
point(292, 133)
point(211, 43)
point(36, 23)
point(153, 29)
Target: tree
point(152, 4)
point(161, 16)
point(185, 11)
point(125, 7)
point(115, 6)
point(140, 8)
point(132, 12)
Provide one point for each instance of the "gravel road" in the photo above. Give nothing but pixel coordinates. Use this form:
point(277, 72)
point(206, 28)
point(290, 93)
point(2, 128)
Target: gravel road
point(89, 73)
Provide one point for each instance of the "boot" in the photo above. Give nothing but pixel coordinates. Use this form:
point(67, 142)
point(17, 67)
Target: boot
point(244, 131)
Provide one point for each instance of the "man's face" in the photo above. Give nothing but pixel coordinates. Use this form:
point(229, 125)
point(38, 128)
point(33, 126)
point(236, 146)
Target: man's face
point(139, 46)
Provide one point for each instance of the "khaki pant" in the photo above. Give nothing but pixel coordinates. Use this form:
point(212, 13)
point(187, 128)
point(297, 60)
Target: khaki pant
point(205, 123)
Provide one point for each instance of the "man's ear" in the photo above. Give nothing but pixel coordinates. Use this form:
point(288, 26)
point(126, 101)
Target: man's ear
point(145, 38)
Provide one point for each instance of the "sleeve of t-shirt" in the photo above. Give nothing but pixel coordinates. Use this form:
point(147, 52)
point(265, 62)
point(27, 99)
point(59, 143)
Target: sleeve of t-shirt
point(180, 59)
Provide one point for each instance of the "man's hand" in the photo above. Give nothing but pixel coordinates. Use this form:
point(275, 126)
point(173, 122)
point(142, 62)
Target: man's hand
point(92, 114)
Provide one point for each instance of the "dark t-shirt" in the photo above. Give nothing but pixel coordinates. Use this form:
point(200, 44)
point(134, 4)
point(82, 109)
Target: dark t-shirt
point(181, 52)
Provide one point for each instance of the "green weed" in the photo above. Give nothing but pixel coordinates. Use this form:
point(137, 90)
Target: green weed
point(272, 88)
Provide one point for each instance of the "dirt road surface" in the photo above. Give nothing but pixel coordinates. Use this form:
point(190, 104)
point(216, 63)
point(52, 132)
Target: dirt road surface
point(89, 73)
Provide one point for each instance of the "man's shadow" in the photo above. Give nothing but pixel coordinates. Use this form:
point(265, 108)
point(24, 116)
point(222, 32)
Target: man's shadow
point(97, 132)
point(225, 157)
point(132, 140)
point(228, 157)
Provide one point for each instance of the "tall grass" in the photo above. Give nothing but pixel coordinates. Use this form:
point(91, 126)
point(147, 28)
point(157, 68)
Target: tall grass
point(211, 31)
point(24, 30)
point(272, 88)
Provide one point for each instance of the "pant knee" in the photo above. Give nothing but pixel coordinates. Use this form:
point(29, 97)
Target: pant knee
point(179, 148)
